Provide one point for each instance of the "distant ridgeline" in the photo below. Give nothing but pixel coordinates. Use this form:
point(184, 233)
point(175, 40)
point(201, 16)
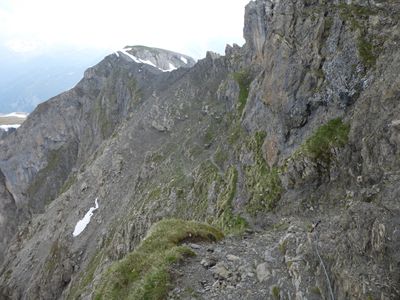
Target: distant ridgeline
point(10, 122)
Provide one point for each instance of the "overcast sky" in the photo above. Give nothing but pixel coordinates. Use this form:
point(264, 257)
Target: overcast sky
point(187, 26)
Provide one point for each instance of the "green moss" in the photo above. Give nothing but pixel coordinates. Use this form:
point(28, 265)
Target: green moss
point(209, 136)
point(235, 133)
point(41, 177)
point(190, 293)
point(289, 264)
point(282, 247)
point(366, 51)
point(106, 126)
point(79, 287)
point(48, 181)
point(185, 192)
point(226, 219)
point(346, 13)
point(155, 157)
point(53, 257)
point(276, 292)
point(262, 182)
point(7, 274)
point(89, 272)
point(220, 157)
point(355, 15)
point(355, 10)
point(144, 273)
point(195, 151)
point(192, 191)
point(265, 188)
point(67, 184)
point(205, 175)
point(243, 79)
point(154, 194)
point(281, 226)
point(315, 290)
point(333, 134)
point(319, 73)
point(328, 23)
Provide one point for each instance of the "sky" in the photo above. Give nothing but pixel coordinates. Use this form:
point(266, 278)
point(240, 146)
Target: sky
point(188, 26)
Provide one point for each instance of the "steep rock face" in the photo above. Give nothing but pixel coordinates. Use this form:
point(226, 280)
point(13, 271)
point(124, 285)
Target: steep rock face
point(297, 128)
point(323, 62)
point(9, 216)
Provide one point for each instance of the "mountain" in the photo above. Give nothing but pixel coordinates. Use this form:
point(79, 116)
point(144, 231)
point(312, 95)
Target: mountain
point(125, 186)
point(9, 122)
point(161, 59)
point(27, 80)
point(13, 119)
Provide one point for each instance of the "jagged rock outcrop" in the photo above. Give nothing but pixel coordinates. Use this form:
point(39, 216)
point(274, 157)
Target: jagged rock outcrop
point(295, 135)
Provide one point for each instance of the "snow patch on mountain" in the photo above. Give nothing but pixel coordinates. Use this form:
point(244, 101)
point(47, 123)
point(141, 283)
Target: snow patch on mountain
point(15, 114)
point(134, 58)
point(7, 127)
point(184, 60)
point(163, 60)
point(81, 225)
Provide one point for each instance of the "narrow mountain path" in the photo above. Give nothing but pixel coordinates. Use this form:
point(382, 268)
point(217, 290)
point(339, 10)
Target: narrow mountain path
point(252, 266)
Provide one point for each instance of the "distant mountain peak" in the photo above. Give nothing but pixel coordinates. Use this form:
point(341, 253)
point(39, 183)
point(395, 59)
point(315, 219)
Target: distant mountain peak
point(164, 60)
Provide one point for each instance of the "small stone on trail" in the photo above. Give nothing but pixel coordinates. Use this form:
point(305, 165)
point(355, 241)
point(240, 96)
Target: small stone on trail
point(220, 271)
point(208, 262)
point(194, 246)
point(231, 257)
point(263, 272)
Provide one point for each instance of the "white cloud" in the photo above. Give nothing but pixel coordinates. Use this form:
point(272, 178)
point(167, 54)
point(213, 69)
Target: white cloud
point(189, 26)
point(22, 46)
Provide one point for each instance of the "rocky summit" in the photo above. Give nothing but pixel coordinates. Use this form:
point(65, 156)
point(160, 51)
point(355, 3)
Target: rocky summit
point(271, 172)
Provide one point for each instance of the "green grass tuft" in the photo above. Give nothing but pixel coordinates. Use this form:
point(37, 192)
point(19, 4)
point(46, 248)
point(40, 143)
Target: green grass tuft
point(366, 51)
point(276, 292)
point(67, 184)
point(315, 290)
point(243, 79)
point(235, 133)
point(331, 135)
point(80, 286)
point(220, 157)
point(209, 136)
point(282, 247)
point(144, 273)
point(262, 182)
point(226, 219)
point(356, 16)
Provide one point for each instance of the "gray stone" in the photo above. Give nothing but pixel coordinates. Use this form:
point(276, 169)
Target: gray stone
point(194, 246)
point(263, 272)
point(220, 271)
point(231, 257)
point(208, 262)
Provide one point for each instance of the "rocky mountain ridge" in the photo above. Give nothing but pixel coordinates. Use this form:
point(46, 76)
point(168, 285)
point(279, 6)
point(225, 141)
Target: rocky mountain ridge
point(161, 59)
point(296, 128)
